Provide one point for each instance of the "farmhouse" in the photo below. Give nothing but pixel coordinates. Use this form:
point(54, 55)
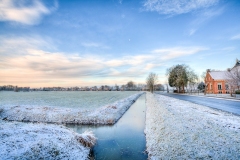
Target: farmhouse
point(222, 82)
point(216, 82)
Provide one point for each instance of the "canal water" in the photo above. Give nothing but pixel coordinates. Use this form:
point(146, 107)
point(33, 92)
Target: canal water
point(123, 140)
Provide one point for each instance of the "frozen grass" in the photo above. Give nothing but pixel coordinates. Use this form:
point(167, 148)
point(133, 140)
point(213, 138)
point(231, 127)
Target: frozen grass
point(65, 99)
point(87, 139)
point(108, 114)
point(40, 141)
point(177, 129)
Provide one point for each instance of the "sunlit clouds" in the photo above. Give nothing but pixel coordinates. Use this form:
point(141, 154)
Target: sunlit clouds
point(28, 61)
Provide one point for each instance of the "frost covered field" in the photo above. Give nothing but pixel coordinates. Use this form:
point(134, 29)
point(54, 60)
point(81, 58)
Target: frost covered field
point(107, 114)
point(49, 141)
point(177, 129)
point(66, 99)
point(42, 141)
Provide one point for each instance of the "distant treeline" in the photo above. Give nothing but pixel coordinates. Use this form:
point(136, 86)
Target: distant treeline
point(14, 88)
point(130, 86)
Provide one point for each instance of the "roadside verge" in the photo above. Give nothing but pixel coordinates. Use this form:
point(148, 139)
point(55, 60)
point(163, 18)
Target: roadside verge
point(177, 129)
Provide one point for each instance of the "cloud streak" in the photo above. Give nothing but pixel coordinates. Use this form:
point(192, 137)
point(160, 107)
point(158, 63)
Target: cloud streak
point(236, 37)
point(21, 12)
point(174, 7)
point(172, 53)
point(95, 45)
point(203, 18)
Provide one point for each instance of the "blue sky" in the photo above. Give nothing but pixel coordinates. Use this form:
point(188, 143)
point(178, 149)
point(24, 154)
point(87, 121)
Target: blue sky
point(86, 43)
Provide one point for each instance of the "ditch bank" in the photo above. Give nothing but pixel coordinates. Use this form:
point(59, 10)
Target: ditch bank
point(43, 141)
point(123, 140)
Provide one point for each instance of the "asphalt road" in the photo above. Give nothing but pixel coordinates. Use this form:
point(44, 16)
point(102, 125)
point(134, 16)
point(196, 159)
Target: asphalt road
point(221, 104)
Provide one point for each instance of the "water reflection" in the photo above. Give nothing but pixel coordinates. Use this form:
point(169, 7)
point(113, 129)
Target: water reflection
point(125, 139)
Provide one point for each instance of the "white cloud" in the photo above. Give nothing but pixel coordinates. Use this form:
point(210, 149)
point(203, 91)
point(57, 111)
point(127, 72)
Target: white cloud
point(173, 7)
point(129, 60)
point(94, 45)
point(21, 12)
point(171, 53)
point(236, 37)
point(27, 61)
point(49, 65)
point(151, 66)
point(12, 45)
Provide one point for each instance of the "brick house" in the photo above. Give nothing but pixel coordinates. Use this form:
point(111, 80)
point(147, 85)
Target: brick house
point(217, 81)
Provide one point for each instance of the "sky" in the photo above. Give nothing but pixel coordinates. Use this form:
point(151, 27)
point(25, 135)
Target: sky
point(106, 42)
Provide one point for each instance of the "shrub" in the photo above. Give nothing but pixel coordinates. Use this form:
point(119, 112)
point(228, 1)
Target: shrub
point(237, 91)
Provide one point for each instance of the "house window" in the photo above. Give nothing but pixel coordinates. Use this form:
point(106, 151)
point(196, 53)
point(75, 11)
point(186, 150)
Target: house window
point(219, 86)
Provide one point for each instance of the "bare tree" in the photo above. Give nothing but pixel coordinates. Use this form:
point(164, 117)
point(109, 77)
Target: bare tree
point(236, 76)
point(192, 79)
point(151, 80)
point(203, 76)
point(130, 85)
point(141, 86)
point(233, 79)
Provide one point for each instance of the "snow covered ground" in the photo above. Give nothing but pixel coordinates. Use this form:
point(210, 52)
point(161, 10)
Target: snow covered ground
point(177, 129)
point(63, 99)
point(42, 141)
point(108, 114)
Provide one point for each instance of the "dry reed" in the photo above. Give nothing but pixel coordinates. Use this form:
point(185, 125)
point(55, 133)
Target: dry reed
point(87, 139)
